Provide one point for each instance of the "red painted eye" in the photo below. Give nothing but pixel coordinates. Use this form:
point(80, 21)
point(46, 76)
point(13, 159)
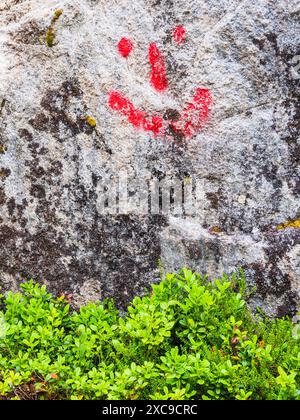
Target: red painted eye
point(125, 47)
point(179, 34)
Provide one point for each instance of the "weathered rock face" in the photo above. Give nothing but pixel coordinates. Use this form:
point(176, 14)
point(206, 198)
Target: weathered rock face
point(244, 161)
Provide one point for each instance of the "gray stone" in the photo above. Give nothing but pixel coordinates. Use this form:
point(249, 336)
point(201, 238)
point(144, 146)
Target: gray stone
point(246, 158)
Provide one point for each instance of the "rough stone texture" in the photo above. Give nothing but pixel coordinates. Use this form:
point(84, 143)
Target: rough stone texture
point(270, 261)
point(246, 158)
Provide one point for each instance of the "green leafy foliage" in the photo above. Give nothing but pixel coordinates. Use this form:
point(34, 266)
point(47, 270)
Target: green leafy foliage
point(187, 339)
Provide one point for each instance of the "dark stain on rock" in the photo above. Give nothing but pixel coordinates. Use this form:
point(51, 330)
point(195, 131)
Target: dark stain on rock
point(37, 172)
point(4, 173)
point(125, 250)
point(11, 205)
point(47, 213)
point(284, 310)
point(172, 115)
point(39, 122)
point(43, 151)
point(95, 179)
point(178, 135)
point(194, 250)
point(99, 143)
point(291, 102)
point(270, 171)
point(56, 168)
point(296, 187)
point(29, 34)
point(56, 105)
point(258, 274)
point(2, 196)
point(38, 191)
point(15, 211)
point(215, 198)
point(40, 259)
point(121, 252)
point(2, 105)
point(273, 39)
point(269, 278)
point(166, 7)
point(259, 42)
point(213, 249)
point(25, 134)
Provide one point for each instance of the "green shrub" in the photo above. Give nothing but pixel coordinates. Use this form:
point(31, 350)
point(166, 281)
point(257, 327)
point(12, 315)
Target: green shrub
point(188, 339)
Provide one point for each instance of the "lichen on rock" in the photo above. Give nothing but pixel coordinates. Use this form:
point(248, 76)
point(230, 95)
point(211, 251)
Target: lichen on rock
point(292, 224)
point(91, 121)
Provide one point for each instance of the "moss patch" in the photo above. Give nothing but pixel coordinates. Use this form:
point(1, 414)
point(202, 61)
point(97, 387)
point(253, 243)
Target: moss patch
point(57, 15)
point(50, 37)
point(2, 149)
point(91, 121)
point(51, 33)
point(215, 229)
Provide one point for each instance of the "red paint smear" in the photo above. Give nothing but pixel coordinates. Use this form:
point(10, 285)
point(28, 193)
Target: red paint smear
point(195, 114)
point(136, 117)
point(179, 34)
point(158, 75)
point(191, 121)
point(125, 47)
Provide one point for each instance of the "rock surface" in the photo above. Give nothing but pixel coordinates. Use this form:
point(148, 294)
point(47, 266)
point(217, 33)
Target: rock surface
point(246, 158)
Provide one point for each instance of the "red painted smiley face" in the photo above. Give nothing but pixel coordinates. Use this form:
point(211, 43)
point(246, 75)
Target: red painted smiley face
point(185, 125)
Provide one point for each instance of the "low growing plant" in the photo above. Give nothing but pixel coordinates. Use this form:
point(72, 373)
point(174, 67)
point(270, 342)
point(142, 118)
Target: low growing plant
point(187, 339)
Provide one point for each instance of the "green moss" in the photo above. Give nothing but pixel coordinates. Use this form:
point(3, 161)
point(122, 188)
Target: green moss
point(50, 37)
point(187, 180)
point(2, 149)
point(50, 34)
point(91, 121)
point(57, 15)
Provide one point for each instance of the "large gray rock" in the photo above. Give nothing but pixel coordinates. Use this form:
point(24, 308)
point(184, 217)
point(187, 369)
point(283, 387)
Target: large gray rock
point(245, 159)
